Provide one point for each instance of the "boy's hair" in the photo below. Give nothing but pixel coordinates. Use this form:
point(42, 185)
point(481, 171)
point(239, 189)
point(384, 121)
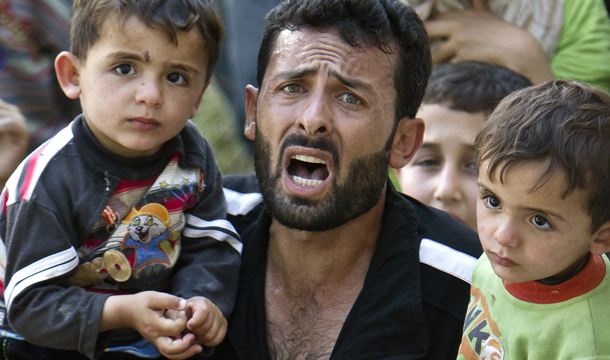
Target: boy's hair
point(566, 122)
point(385, 24)
point(168, 16)
point(472, 86)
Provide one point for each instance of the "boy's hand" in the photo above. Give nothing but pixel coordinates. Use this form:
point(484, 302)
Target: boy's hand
point(206, 321)
point(144, 312)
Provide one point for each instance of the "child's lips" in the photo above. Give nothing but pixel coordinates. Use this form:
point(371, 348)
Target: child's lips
point(142, 123)
point(502, 261)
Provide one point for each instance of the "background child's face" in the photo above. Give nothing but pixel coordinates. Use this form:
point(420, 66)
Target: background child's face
point(532, 235)
point(138, 89)
point(442, 173)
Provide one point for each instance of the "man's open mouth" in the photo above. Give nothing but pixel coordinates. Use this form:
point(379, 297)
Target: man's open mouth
point(308, 171)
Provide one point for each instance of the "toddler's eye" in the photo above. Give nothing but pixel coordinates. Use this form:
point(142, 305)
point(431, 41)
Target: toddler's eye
point(492, 202)
point(350, 99)
point(177, 79)
point(125, 69)
point(541, 222)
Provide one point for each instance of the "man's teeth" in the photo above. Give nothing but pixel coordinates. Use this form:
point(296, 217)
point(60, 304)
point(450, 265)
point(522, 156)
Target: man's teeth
point(309, 159)
point(305, 182)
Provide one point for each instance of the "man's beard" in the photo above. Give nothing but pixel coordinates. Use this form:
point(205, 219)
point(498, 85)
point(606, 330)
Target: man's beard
point(351, 197)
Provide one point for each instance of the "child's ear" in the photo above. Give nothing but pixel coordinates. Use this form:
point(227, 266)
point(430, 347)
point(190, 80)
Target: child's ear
point(196, 105)
point(601, 243)
point(67, 68)
point(251, 98)
point(407, 140)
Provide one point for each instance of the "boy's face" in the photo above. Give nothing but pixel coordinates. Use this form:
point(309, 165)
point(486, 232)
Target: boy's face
point(442, 173)
point(137, 88)
point(532, 235)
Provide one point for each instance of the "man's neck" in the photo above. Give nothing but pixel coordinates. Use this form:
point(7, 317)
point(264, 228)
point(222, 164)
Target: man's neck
point(324, 257)
point(312, 281)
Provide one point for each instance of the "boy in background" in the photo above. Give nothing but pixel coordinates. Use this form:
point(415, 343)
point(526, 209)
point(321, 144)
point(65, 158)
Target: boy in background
point(459, 97)
point(124, 206)
point(541, 290)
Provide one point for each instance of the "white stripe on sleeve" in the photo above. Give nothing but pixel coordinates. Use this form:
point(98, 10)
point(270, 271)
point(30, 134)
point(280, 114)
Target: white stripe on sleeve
point(447, 259)
point(220, 229)
point(44, 269)
point(240, 203)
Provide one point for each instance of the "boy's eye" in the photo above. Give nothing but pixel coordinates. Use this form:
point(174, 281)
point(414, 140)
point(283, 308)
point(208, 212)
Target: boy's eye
point(125, 69)
point(350, 99)
point(492, 202)
point(177, 79)
point(541, 222)
point(472, 166)
point(428, 163)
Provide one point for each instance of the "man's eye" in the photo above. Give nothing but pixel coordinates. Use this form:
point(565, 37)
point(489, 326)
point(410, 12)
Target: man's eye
point(125, 69)
point(350, 99)
point(177, 79)
point(541, 222)
point(292, 89)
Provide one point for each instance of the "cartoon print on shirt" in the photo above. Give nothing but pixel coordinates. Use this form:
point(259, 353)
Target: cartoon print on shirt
point(149, 235)
point(136, 240)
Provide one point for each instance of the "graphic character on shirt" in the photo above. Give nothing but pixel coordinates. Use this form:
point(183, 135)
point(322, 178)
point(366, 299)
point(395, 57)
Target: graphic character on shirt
point(149, 235)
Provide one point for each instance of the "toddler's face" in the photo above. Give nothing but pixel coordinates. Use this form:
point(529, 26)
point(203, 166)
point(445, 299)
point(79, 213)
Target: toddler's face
point(532, 235)
point(442, 173)
point(138, 89)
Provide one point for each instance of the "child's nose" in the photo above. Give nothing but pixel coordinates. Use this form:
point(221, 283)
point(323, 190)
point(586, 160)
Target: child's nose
point(448, 185)
point(506, 233)
point(150, 93)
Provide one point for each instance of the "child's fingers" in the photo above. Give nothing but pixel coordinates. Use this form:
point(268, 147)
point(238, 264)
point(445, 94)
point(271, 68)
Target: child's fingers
point(163, 301)
point(180, 348)
point(200, 310)
point(217, 333)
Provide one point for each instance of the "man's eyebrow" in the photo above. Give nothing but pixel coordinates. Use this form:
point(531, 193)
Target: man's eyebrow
point(296, 74)
point(350, 82)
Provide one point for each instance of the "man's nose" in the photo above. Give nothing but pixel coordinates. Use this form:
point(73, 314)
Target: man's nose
point(150, 93)
point(316, 117)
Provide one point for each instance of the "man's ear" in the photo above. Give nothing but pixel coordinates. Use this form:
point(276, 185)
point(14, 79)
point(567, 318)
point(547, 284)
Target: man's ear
point(67, 68)
point(408, 138)
point(196, 105)
point(251, 98)
point(601, 243)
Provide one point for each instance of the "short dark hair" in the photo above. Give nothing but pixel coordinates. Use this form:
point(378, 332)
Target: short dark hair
point(385, 24)
point(566, 122)
point(472, 86)
point(169, 16)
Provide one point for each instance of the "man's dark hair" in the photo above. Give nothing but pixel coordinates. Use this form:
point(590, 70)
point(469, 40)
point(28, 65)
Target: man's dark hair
point(385, 24)
point(566, 122)
point(472, 86)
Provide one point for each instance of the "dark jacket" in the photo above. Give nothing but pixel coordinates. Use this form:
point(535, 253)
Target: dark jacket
point(415, 294)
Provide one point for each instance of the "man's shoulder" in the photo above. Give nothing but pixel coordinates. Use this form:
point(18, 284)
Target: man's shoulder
point(448, 252)
point(244, 200)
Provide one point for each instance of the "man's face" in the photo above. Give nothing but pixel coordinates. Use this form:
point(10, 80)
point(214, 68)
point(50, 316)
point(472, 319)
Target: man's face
point(323, 127)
